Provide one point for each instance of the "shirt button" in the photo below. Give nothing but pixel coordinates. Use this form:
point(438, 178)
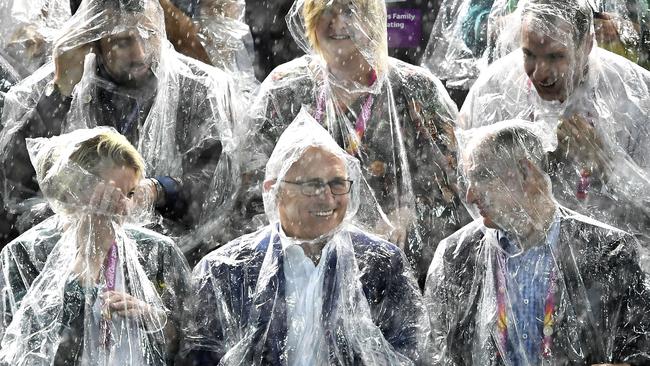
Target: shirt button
point(525, 301)
point(524, 336)
point(548, 331)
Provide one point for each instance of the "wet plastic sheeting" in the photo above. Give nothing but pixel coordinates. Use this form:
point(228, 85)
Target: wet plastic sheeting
point(396, 118)
point(89, 286)
point(593, 107)
point(178, 112)
point(530, 282)
point(468, 35)
point(8, 78)
point(28, 29)
point(227, 39)
point(620, 26)
point(458, 42)
point(255, 302)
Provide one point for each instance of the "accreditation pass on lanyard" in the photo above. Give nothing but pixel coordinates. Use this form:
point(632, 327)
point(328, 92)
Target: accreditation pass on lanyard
point(110, 269)
point(362, 119)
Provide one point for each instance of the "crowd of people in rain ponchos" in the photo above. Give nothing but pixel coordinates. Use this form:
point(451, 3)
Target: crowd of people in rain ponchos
point(160, 204)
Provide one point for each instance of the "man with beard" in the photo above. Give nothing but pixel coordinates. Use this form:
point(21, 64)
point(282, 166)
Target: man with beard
point(113, 67)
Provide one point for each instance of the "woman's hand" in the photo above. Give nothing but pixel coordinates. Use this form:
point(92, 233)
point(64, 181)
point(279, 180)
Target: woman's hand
point(109, 200)
point(125, 305)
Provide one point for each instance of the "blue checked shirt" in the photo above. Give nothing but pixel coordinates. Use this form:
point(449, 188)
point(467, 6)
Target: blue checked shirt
point(527, 284)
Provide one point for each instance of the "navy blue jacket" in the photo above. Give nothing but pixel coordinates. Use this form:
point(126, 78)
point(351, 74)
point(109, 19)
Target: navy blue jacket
point(229, 287)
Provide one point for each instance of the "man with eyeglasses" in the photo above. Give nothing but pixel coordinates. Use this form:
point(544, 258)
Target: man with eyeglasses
point(310, 288)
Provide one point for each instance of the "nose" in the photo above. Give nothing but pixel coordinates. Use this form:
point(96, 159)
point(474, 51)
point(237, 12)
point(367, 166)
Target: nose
point(339, 20)
point(326, 194)
point(542, 71)
point(138, 50)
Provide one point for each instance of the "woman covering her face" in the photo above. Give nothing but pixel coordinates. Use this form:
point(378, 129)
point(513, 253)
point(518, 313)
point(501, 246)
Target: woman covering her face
point(88, 286)
point(396, 118)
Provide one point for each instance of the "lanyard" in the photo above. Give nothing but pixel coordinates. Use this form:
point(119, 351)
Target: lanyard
point(549, 307)
point(361, 123)
point(110, 269)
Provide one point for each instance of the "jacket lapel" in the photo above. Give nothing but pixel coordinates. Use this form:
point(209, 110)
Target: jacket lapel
point(269, 337)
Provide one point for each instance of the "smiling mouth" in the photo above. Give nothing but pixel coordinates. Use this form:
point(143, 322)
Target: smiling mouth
point(339, 37)
point(547, 84)
point(327, 213)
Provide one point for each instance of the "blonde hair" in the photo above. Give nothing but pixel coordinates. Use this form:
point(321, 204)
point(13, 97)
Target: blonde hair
point(373, 14)
point(63, 182)
point(107, 147)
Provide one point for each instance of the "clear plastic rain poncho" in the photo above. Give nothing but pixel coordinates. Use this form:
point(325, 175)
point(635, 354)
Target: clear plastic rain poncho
point(470, 34)
point(593, 105)
point(226, 38)
point(28, 29)
point(620, 26)
point(261, 300)
point(8, 77)
point(89, 286)
point(458, 41)
point(396, 118)
point(530, 282)
point(178, 112)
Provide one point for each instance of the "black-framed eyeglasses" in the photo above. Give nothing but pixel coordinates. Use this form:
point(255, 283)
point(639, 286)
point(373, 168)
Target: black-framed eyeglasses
point(338, 187)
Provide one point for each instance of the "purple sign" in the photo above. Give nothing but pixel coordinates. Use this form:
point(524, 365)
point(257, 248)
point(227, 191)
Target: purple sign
point(404, 28)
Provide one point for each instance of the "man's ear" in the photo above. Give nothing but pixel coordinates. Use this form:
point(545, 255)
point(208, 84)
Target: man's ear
point(268, 184)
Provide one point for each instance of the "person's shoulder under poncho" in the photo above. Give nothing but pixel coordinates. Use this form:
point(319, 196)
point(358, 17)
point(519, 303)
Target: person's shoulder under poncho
point(23, 260)
point(602, 300)
point(423, 109)
point(411, 90)
point(298, 82)
point(227, 289)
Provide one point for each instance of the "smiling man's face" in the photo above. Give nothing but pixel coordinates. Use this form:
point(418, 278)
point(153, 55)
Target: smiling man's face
point(551, 60)
point(128, 55)
point(308, 217)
